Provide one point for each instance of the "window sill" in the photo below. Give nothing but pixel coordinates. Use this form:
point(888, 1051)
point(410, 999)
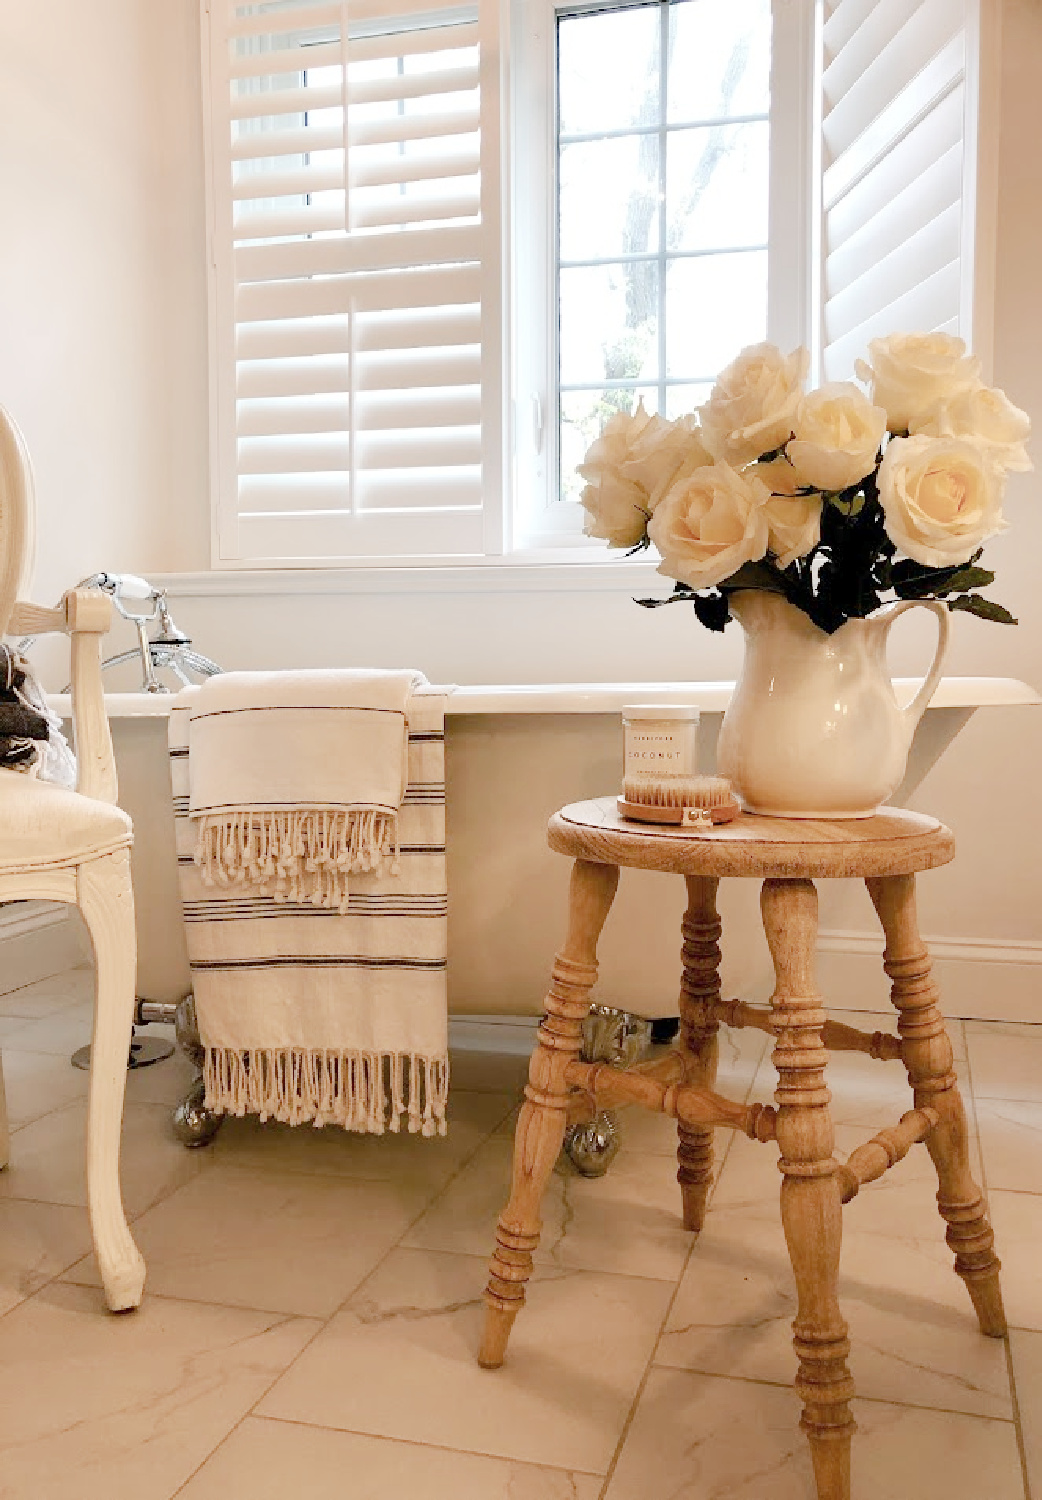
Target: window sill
point(535, 572)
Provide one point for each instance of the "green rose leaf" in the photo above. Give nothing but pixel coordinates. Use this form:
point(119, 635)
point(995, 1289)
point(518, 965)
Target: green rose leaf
point(970, 578)
point(984, 609)
point(755, 575)
point(681, 592)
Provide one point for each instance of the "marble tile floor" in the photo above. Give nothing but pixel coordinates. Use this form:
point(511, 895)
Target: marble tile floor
point(314, 1302)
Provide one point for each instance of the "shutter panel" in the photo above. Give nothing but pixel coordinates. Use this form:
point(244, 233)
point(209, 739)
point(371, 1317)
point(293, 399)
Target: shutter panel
point(356, 301)
point(898, 103)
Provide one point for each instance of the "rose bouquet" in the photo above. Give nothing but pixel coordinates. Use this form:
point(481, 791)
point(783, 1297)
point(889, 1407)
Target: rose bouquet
point(835, 498)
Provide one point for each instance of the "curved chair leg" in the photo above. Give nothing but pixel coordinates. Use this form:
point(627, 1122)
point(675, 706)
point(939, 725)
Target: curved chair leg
point(927, 1054)
point(107, 902)
point(541, 1123)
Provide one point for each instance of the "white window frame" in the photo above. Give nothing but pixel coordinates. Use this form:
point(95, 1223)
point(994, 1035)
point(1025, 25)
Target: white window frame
point(527, 526)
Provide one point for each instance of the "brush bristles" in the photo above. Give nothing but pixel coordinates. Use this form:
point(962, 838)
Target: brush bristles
point(678, 791)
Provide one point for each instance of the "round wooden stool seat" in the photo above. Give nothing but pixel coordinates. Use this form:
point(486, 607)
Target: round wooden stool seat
point(892, 843)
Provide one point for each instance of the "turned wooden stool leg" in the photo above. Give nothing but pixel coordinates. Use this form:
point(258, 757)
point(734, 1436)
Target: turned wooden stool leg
point(927, 1055)
point(699, 989)
point(810, 1196)
point(541, 1123)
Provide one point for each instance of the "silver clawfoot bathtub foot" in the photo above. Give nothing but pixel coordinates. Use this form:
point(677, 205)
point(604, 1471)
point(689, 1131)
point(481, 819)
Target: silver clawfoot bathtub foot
point(194, 1124)
point(618, 1037)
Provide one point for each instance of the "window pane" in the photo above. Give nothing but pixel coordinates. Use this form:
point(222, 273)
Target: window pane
point(609, 323)
point(583, 414)
point(635, 81)
point(716, 305)
point(719, 59)
point(608, 65)
point(716, 187)
point(609, 198)
point(682, 399)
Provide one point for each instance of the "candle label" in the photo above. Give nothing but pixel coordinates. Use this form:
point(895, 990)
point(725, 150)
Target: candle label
point(660, 751)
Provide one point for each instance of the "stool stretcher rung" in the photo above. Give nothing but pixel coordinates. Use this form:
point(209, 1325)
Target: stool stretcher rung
point(836, 1036)
point(884, 1150)
point(583, 1107)
point(609, 1086)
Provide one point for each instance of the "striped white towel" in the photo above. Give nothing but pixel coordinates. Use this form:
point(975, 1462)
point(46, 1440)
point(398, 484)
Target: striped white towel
point(332, 1012)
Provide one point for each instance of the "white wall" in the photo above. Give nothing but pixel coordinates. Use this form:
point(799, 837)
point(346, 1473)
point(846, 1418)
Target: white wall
point(103, 363)
point(102, 279)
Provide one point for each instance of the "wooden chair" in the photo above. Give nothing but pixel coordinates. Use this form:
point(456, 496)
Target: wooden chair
point(74, 847)
point(886, 851)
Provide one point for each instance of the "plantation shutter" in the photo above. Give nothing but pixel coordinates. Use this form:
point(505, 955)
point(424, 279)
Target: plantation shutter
point(356, 299)
point(898, 104)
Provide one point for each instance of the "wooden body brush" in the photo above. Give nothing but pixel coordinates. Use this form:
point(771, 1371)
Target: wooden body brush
point(694, 802)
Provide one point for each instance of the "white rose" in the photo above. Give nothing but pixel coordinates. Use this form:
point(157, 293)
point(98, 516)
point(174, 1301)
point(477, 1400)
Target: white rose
point(911, 372)
point(987, 415)
point(838, 433)
point(709, 523)
point(752, 405)
point(793, 520)
point(615, 506)
point(793, 526)
point(659, 453)
point(942, 497)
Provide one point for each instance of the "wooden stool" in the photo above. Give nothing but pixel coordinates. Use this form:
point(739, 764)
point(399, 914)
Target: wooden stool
point(885, 851)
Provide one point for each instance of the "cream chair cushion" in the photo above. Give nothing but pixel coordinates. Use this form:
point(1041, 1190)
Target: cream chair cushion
point(44, 826)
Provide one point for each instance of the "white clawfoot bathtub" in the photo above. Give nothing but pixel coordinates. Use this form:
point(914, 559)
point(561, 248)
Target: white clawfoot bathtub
point(513, 756)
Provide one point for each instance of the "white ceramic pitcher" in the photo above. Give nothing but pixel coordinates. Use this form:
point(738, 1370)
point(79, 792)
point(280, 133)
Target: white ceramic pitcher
point(814, 729)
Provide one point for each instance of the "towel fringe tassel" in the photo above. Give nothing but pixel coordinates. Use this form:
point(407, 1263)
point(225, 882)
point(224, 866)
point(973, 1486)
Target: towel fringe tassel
point(369, 1092)
point(300, 854)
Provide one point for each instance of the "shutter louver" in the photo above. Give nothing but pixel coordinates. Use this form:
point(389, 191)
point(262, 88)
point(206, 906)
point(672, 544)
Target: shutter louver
point(896, 230)
point(356, 288)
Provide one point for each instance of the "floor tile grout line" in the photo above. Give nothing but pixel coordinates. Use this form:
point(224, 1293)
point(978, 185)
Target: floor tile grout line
point(1010, 1374)
point(462, 1166)
point(325, 1322)
point(249, 1412)
point(46, 979)
point(383, 1437)
point(397, 1244)
point(650, 1365)
point(1018, 1425)
point(559, 1273)
point(789, 1385)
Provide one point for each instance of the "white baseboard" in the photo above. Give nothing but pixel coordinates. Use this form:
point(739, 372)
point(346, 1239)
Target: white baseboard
point(983, 979)
point(38, 939)
point(511, 1034)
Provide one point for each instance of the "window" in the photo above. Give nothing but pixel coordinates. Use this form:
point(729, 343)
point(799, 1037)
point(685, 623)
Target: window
point(680, 177)
point(660, 121)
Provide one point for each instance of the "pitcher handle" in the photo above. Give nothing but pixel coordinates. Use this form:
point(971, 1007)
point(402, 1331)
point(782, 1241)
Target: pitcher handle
point(887, 615)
